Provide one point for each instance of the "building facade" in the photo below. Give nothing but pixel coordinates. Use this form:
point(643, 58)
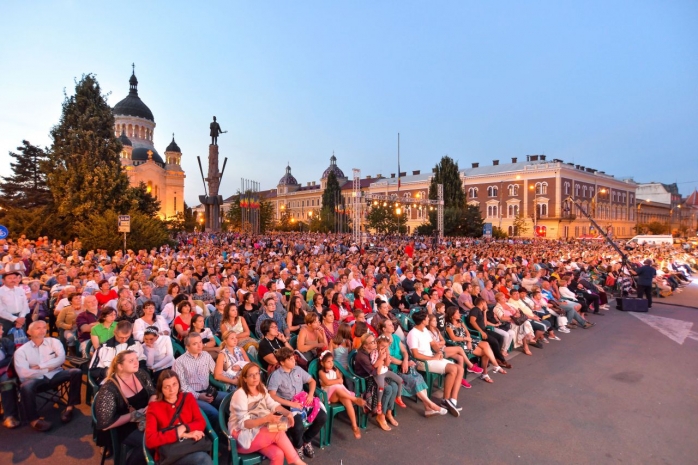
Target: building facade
point(134, 125)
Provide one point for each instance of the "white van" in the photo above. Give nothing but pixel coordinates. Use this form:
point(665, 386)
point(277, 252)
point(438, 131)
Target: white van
point(659, 239)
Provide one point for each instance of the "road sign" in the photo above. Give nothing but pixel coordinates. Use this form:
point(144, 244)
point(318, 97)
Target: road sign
point(124, 223)
point(4, 232)
point(487, 229)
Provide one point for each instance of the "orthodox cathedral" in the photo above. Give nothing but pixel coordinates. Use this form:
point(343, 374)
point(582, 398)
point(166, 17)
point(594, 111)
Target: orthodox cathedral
point(134, 125)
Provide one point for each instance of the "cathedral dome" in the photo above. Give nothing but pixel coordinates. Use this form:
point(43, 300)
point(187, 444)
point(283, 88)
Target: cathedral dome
point(173, 147)
point(125, 141)
point(288, 179)
point(333, 168)
point(132, 105)
point(141, 153)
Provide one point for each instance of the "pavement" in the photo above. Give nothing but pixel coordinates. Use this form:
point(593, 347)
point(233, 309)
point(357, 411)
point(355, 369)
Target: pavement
point(624, 391)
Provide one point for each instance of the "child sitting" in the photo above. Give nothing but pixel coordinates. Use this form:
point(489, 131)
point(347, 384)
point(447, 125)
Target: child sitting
point(331, 383)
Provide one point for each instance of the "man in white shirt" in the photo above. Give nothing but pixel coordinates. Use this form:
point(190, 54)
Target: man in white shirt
point(419, 342)
point(39, 363)
point(13, 302)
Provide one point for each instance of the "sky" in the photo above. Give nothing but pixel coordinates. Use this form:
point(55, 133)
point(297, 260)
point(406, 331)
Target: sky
point(611, 85)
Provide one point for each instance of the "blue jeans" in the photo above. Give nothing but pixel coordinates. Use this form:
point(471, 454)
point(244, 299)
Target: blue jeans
point(389, 394)
point(211, 410)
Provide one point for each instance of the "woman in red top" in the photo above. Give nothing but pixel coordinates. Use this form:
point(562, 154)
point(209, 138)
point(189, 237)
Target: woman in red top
point(340, 308)
point(190, 423)
point(361, 302)
point(105, 294)
point(183, 321)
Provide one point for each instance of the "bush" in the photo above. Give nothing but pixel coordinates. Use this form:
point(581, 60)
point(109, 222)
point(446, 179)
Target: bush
point(100, 232)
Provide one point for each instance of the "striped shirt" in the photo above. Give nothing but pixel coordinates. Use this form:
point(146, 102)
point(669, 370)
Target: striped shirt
point(193, 371)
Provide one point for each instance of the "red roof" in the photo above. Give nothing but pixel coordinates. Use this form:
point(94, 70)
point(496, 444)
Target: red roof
point(692, 199)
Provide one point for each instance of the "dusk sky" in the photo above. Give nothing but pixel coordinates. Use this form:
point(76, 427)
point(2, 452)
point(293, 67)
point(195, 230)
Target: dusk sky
point(611, 85)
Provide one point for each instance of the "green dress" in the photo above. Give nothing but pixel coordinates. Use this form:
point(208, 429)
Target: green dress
point(412, 380)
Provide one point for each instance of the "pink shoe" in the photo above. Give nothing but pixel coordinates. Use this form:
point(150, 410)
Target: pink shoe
point(475, 369)
point(465, 384)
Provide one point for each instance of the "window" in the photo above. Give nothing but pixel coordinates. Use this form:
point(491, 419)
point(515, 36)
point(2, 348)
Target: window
point(511, 231)
point(513, 190)
point(472, 192)
point(577, 187)
point(492, 191)
point(541, 188)
point(576, 231)
point(584, 191)
point(565, 231)
point(567, 188)
point(492, 211)
point(513, 211)
point(542, 210)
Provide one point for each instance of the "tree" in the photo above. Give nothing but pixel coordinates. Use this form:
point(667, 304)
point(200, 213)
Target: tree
point(446, 172)
point(384, 220)
point(26, 188)
point(499, 233)
point(139, 199)
point(184, 221)
point(520, 225)
point(657, 227)
point(83, 168)
point(99, 232)
point(331, 201)
point(233, 216)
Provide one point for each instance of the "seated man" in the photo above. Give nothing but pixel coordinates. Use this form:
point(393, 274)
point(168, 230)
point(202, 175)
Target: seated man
point(193, 369)
point(39, 363)
point(86, 321)
point(122, 340)
point(285, 384)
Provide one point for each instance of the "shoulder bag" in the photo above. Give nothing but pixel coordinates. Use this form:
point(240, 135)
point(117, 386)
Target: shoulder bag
point(171, 453)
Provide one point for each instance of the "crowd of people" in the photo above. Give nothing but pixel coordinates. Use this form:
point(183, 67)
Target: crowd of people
point(274, 320)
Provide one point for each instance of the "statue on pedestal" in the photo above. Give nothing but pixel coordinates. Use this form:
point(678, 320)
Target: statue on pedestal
point(215, 131)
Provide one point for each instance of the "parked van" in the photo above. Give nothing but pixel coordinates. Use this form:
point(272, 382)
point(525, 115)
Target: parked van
point(659, 239)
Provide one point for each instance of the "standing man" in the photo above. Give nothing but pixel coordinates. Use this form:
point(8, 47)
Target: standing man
point(13, 301)
point(215, 131)
point(645, 276)
point(39, 363)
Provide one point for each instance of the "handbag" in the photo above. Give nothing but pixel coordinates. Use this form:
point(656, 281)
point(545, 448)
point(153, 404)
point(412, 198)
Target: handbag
point(170, 453)
point(136, 416)
point(519, 318)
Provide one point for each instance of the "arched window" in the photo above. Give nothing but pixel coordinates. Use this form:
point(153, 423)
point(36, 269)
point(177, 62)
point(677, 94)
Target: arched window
point(513, 190)
point(513, 211)
point(567, 188)
point(577, 187)
point(492, 211)
point(492, 191)
point(541, 188)
point(542, 210)
point(584, 191)
point(472, 192)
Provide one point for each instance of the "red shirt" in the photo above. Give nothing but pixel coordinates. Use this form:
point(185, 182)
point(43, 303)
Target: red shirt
point(159, 415)
point(103, 299)
point(363, 304)
point(409, 250)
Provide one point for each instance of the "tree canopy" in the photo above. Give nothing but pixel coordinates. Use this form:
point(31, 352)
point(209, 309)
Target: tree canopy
point(26, 187)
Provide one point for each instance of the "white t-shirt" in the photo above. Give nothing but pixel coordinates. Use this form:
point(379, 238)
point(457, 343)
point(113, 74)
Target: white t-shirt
point(420, 340)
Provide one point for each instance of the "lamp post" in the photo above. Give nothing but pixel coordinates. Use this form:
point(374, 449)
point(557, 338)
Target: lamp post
point(535, 209)
point(310, 218)
point(594, 201)
point(637, 218)
point(398, 211)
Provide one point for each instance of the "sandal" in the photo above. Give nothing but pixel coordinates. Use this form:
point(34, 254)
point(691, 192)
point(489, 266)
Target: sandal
point(399, 402)
point(391, 419)
point(499, 369)
point(357, 432)
point(486, 378)
point(381, 422)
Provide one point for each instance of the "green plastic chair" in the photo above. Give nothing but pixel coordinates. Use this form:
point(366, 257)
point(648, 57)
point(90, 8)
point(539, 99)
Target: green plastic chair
point(359, 387)
point(210, 433)
point(236, 458)
point(332, 408)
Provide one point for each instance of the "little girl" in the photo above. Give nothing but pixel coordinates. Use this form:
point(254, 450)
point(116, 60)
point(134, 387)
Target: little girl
point(380, 358)
point(331, 383)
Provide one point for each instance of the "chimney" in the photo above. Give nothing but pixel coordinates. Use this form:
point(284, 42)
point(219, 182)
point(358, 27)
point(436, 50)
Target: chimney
point(415, 173)
point(590, 170)
point(514, 159)
point(368, 176)
point(313, 183)
point(495, 162)
point(392, 175)
point(308, 185)
point(534, 157)
point(379, 175)
point(577, 166)
point(475, 165)
point(542, 157)
point(528, 158)
point(403, 174)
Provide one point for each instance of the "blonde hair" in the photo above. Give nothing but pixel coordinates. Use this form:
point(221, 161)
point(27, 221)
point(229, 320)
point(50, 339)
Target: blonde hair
point(225, 337)
point(118, 360)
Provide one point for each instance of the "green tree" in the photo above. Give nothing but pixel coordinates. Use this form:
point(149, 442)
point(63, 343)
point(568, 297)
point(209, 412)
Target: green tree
point(83, 169)
point(233, 216)
point(520, 225)
point(384, 219)
point(331, 201)
point(184, 221)
point(657, 227)
point(26, 188)
point(139, 199)
point(99, 231)
point(499, 233)
point(446, 172)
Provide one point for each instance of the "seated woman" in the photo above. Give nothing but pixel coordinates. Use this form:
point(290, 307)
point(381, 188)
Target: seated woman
point(364, 367)
point(311, 338)
point(329, 324)
point(271, 341)
point(522, 334)
point(286, 387)
point(458, 334)
point(332, 383)
point(210, 346)
point(413, 382)
point(122, 402)
point(340, 308)
point(159, 355)
point(318, 303)
point(231, 360)
point(360, 301)
point(295, 318)
point(149, 318)
point(182, 323)
point(102, 332)
point(161, 430)
point(252, 412)
point(455, 353)
point(232, 321)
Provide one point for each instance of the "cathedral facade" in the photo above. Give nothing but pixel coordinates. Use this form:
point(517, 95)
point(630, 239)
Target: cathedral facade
point(134, 125)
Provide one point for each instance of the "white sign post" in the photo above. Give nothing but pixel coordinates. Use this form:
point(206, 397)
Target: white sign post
point(125, 226)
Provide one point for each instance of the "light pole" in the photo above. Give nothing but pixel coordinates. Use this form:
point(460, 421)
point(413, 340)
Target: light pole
point(594, 201)
point(637, 218)
point(398, 211)
point(535, 209)
point(310, 218)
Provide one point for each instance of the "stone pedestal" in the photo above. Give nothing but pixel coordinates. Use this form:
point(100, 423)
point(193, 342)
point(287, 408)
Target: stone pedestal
point(213, 202)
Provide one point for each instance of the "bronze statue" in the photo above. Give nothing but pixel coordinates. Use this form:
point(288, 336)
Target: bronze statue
point(215, 131)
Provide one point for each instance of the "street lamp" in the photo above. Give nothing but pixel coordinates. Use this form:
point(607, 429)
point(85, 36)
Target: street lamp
point(535, 209)
point(637, 216)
